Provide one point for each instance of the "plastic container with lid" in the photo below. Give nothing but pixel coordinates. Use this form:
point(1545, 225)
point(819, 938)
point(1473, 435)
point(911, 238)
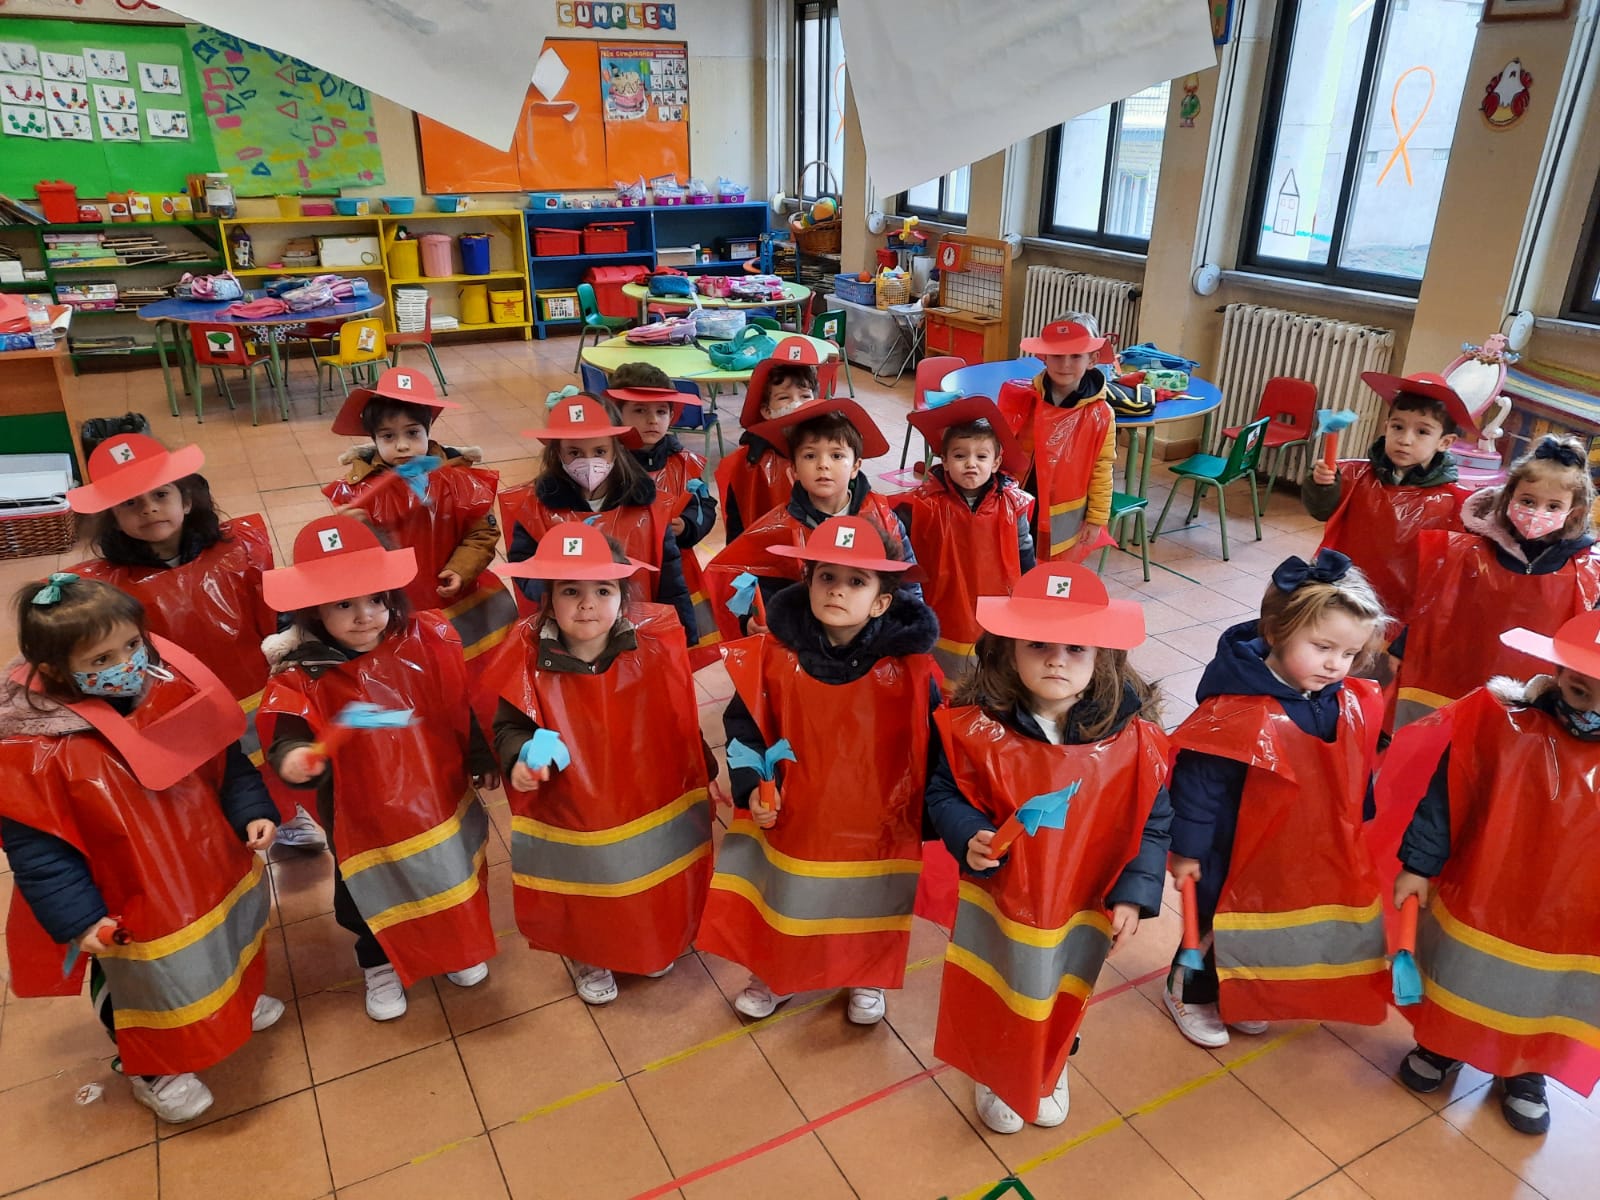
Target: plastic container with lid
point(436, 261)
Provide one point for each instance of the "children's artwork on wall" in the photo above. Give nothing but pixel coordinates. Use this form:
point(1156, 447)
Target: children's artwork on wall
point(107, 64)
point(65, 66)
point(1221, 22)
point(167, 122)
point(61, 96)
point(162, 78)
point(1189, 106)
point(22, 89)
point(280, 124)
point(115, 99)
point(119, 127)
point(17, 121)
point(1506, 96)
point(73, 126)
point(1400, 152)
point(19, 56)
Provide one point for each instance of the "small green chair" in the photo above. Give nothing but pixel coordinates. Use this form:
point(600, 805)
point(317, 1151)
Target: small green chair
point(602, 327)
point(830, 327)
point(1122, 506)
point(770, 324)
point(1208, 470)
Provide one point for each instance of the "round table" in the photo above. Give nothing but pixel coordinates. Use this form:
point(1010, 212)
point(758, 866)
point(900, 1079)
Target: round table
point(268, 329)
point(679, 362)
point(795, 296)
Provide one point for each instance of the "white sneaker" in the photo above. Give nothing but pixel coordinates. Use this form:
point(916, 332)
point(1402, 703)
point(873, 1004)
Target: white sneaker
point(300, 832)
point(471, 977)
point(265, 1014)
point(666, 970)
point(173, 1098)
point(1053, 1108)
point(596, 985)
point(995, 1112)
point(1200, 1023)
point(1249, 1028)
point(866, 1006)
point(758, 1000)
point(386, 999)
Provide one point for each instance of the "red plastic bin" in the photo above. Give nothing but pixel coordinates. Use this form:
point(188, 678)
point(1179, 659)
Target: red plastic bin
point(608, 283)
point(58, 200)
point(606, 237)
point(554, 241)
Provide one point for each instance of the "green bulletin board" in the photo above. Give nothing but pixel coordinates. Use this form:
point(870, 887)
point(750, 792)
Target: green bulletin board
point(99, 165)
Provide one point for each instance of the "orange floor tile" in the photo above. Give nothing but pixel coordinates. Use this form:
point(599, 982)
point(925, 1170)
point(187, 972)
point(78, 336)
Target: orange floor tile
point(517, 1089)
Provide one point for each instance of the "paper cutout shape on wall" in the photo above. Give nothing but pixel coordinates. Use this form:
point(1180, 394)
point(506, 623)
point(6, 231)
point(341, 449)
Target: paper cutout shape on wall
point(22, 89)
point(119, 127)
point(61, 96)
point(73, 126)
point(161, 78)
point(19, 56)
point(167, 122)
point(115, 99)
point(65, 66)
point(107, 64)
point(1506, 97)
point(17, 121)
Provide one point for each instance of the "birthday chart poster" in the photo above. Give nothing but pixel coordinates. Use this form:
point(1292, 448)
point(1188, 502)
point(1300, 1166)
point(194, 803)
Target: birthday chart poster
point(645, 81)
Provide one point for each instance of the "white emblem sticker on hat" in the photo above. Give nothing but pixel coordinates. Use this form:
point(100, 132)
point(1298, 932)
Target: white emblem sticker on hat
point(575, 413)
point(845, 539)
point(795, 352)
point(121, 453)
point(572, 547)
point(403, 382)
point(330, 539)
point(1058, 587)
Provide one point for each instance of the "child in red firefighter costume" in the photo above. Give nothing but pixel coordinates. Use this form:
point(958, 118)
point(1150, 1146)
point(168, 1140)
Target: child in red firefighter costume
point(587, 474)
point(1377, 507)
point(1270, 789)
point(1052, 703)
point(756, 479)
point(451, 529)
point(131, 818)
point(199, 577)
point(827, 440)
point(1502, 840)
point(816, 890)
point(610, 843)
point(969, 524)
point(407, 829)
point(1526, 559)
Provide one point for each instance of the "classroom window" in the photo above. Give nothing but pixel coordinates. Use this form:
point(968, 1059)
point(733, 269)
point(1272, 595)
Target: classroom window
point(1101, 171)
point(819, 105)
point(944, 199)
point(1583, 298)
point(1362, 102)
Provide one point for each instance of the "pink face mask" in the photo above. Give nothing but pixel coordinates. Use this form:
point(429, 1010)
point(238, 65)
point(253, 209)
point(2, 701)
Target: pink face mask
point(588, 473)
point(1533, 523)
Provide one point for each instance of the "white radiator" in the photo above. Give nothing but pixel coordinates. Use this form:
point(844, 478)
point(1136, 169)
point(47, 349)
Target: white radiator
point(1259, 343)
point(1054, 292)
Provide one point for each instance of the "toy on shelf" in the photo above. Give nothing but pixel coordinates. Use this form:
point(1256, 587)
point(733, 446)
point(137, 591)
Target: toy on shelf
point(1477, 375)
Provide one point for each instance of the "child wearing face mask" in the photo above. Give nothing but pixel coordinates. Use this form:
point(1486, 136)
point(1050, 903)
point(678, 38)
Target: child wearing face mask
point(1526, 559)
point(648, 403)
point(969, 523)
point(1506, 775)
point(405, 824)
point(587, 474)
point(1270, 789)
point(610, 852)
point(131, 820)
point(816, 890)
point(161, 540)
point(1051, 704)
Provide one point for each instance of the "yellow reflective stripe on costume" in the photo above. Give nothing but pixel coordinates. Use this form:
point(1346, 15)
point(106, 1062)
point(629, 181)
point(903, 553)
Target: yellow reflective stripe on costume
point(612, 891)
point(871, 868)
point(1299, 916)
point(1051, 962)
point(427, 839)
point(1290, 974)
point(1065, 522)
point(616, 833)
point(1025, 1007)
point(1522, 956)
point(1569, 1027)
point(127, 1018)
point(1422, 696)
point(1029, 935)
point(810, 927)
point(491, 637)
point(196, 929)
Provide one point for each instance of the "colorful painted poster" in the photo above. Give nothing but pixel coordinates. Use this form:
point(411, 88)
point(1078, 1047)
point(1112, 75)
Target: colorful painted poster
point(280, 124)
point(645, 81)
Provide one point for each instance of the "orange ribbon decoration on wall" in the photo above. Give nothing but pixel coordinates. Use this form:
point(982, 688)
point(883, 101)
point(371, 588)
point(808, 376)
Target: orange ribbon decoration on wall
point(1399, 150)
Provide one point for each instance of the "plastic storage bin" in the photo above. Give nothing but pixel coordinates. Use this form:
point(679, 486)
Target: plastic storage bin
point(436, 261)
point(608, 283)
point(474, 304)
point(475, 253)
point(58, 200)
point(558, 304)
point(848, 287)
point(405, 259)
point(547, 241)
point(606, 237)
point(508, 307)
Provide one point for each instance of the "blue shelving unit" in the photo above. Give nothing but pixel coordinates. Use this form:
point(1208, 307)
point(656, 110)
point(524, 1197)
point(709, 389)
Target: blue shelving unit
point(653, 228)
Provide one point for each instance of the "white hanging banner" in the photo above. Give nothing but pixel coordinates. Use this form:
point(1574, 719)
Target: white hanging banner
point(466, 65)
point(954, 81)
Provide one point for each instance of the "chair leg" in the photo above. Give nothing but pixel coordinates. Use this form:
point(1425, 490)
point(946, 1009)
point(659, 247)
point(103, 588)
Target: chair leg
point(255, 418)
point(1144, 542)
point(1222, 518)
point(577, 361)
point(905, 448)
point(1272, 476)
point(1255, 504)
point(1165, 508)
point(1194, 507)
point(438, 373)
point(844, 364)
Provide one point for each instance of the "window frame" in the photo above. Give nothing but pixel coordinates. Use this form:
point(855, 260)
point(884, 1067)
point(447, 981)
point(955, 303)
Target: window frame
point(941, 215)
point(1581, 304)
point(1330, 274)
point(826, 10)
point(1047, 193)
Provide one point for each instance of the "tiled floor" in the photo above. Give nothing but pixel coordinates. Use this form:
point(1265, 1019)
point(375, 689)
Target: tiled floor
point(518, 1089)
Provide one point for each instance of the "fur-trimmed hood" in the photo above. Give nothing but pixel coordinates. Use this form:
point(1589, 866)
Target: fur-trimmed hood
point(294, 647)
point(30, 714)
point(1520, 692)
point(1479, 516)
point(361, 461)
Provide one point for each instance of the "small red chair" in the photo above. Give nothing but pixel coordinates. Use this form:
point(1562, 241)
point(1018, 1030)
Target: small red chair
point(1292, 406)
point(219, 346)
point(930, 374)
point(418, 337)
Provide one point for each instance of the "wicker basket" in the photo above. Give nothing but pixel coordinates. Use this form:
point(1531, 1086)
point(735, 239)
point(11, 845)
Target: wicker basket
point(24, 536)
point(825, 237)
point(893, 291)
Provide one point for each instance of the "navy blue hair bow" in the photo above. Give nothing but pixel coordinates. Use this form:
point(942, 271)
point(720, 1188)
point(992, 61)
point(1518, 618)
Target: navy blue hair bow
point(1550, 448)
point(1329, 566)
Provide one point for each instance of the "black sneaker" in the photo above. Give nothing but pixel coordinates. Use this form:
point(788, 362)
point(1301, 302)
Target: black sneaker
point(1424, 1071)
point(1523, 1103)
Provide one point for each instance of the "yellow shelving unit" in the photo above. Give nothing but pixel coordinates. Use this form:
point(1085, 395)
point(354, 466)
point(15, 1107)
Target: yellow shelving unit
point(508, 254)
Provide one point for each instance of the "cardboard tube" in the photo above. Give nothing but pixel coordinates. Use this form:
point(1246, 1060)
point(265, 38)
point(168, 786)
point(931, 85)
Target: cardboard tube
point(1406, 937)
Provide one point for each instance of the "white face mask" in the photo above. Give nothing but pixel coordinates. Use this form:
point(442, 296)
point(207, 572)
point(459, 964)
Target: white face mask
point(1533, 523)
point(588, 473)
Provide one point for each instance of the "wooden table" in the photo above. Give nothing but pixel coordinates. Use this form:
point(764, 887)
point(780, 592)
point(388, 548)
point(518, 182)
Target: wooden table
point(37, 385)
point(795, 296)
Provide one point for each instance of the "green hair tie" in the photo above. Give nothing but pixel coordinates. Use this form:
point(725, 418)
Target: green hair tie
point(50, 593)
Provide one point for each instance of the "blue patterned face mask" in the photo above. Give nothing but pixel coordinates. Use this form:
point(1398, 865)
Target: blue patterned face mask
point(124, 680)
point(1584, 722)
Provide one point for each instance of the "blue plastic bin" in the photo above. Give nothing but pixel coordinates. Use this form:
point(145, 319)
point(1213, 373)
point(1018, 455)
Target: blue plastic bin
point(475, 253)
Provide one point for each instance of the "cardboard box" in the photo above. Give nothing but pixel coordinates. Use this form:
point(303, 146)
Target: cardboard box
point(338, 252)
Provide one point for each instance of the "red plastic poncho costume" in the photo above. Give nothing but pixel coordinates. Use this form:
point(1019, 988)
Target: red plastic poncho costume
point(824, 898)
point(164, 859)
point(1509, 958)
point(458, 498)
point(1453, 643)
point(1378, 528)
point(963, 555)
point(1029, 940)
point(1065, 445)
point(610, 858)
point(754, 488)
point(412, 833)
point(1299, 931)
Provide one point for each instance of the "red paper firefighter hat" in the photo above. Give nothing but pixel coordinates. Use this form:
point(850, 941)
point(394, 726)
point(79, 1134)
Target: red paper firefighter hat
point(397, 383)
point(932, 422)
point(650, 395)
point(777, 430)
point(336, 558)
point(1576, 644)
point(583, 417)
point(129, 465)
point(1063, 602)
point(847, 542)
point(1063, 337)
point(791, 351)
point(571, 550)
point(1429, 384)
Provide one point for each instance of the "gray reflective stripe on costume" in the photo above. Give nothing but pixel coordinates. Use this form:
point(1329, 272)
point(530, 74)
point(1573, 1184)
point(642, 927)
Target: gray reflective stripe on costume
point(953, 663)
point(705, 622)
point(1503, 986)
point(815, 897)
point(1316, 943)
point(190, 974)
point(1407, 711)
point(1032, 971)
point(250, 743)
point(495, 613)
point(1065, 525)
point(612, 863)
point(417, 877)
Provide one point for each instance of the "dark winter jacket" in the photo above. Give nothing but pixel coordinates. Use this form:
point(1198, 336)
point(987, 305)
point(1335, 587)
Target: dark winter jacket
point(701, 514)
point(1323, 501)
point(955, 819)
